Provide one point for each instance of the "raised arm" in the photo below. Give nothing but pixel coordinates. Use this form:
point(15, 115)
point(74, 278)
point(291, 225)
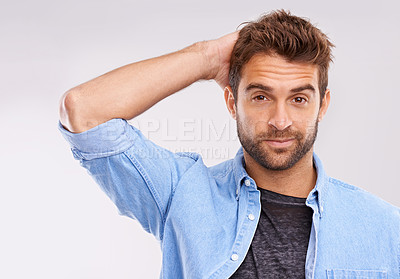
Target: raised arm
point(132, 89)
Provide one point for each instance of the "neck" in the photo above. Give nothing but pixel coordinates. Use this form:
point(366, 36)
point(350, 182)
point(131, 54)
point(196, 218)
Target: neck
point(296, 181)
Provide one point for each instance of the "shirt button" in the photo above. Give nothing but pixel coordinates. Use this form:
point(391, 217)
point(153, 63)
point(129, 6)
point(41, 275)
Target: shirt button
point(234, 257)
point(247, 182)
point(251, 217)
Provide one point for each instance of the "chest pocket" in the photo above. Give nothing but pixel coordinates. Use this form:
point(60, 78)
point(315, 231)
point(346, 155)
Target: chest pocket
point(355, 274)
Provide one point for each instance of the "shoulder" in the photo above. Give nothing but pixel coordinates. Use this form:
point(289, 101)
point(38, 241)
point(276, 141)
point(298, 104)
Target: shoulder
point(361, 200)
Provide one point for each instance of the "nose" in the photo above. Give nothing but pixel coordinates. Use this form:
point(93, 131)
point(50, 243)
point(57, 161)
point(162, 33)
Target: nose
point(279, 117)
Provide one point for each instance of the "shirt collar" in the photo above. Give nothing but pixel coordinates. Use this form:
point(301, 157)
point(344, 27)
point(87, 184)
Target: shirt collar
point(238, 168)
point(316, 197)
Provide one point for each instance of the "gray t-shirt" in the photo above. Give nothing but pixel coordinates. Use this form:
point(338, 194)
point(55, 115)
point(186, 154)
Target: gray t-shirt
point(279, 246)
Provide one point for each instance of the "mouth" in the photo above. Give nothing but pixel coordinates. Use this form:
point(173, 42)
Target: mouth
point(279, 143)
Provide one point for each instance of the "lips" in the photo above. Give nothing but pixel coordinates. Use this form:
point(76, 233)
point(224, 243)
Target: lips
point(279, 142)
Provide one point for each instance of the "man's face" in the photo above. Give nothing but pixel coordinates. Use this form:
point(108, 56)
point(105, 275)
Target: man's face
point(277, 110)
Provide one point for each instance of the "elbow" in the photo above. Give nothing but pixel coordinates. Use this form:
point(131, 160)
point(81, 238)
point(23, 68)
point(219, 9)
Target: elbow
point(68, 111)
point(77, 113)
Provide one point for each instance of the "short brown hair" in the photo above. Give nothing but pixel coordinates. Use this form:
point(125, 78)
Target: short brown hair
point(289, 36)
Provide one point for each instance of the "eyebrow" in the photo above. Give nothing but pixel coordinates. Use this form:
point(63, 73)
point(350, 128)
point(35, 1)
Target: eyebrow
point(258, 86)
point(269, 89)
point(303, 88)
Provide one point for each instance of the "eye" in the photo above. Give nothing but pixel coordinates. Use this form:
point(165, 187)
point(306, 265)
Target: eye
point(299, 100)
point(260, 98)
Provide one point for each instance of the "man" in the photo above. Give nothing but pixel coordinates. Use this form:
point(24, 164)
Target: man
point(271, 212)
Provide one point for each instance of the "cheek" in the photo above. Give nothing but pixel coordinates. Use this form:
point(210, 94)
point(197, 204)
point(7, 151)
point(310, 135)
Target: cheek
point(250, 118)
point(305, 126)
point(260, 126)
point(303, 119)
point(253, 125)
point(302, 124)
point(308, 126)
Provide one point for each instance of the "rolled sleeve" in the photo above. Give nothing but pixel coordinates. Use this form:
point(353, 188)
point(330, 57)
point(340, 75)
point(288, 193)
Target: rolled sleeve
point(107, 139)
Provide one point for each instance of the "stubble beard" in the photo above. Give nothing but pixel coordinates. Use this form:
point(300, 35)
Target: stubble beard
point(277, 158)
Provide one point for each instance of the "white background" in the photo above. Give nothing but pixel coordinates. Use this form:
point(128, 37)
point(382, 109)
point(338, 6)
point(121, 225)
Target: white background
point(55, 221)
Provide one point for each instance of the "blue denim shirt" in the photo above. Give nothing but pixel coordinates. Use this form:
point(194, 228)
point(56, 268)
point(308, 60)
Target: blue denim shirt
point(200, 214)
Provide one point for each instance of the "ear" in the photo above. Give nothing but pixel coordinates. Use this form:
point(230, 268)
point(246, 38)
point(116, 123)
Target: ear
point(230, 101)
point(324, 105)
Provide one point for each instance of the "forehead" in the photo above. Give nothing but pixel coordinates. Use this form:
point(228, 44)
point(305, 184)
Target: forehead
point(275, 71)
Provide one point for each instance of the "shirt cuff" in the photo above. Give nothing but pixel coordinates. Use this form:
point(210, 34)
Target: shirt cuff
point(109, 138)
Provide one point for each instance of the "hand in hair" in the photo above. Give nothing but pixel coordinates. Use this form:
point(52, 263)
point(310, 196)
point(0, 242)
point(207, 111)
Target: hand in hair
point(219, 54)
